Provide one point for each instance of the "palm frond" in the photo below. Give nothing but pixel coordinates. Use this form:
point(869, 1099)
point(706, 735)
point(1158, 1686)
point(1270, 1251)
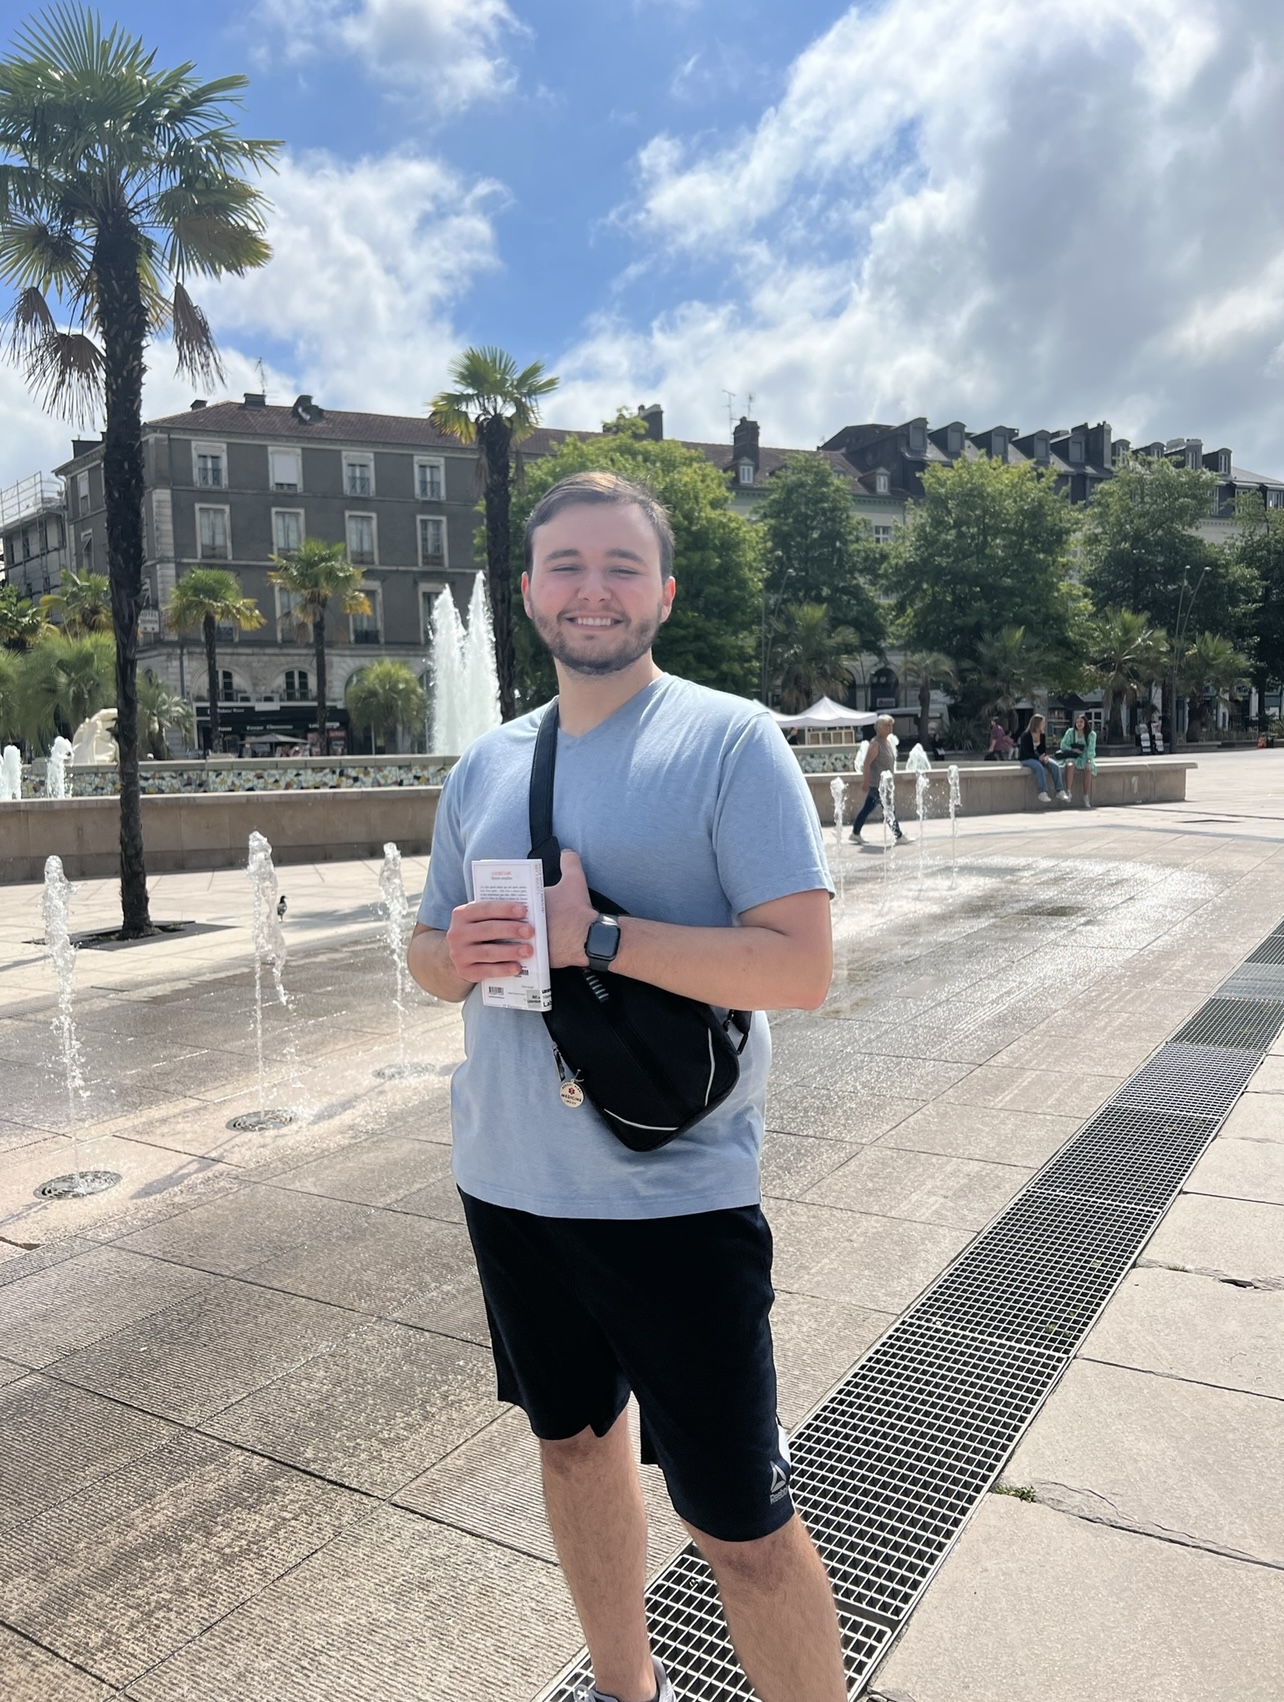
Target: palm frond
point(31, 323)
point(65, 369)
point(194, 348)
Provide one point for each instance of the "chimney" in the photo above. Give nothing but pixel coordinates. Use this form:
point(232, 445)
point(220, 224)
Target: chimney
point(198, 403)
point(305, 410)
point(255, 399)
point(744, 442)
point(653, 414)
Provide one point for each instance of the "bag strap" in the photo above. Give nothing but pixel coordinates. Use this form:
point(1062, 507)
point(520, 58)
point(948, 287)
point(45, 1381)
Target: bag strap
point(543, 766)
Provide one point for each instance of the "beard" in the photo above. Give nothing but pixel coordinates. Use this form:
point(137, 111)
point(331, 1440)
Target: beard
point(633, 640)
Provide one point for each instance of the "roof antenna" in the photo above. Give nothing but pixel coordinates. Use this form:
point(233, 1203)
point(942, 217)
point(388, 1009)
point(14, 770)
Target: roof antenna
point(749, 405)
point(258, 367)
point(731, 409)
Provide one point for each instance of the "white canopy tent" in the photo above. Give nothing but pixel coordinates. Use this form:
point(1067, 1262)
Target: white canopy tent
point(826, 715)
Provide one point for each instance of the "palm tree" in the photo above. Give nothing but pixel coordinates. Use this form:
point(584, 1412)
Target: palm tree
point(1208, 670)
point(930, 668)
point(1009, 666)
point(64, 681)
point(316, 575)
point(11, 700)
point(815, 660)
point(385, 696)
point(118, 182)
point(81, 604)
point(159, 709)
point(495, 406)
point(1122, 659)
point(20, 624)
point(208, 598)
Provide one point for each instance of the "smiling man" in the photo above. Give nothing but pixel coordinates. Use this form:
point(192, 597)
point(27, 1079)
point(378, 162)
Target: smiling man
point(607, 1271)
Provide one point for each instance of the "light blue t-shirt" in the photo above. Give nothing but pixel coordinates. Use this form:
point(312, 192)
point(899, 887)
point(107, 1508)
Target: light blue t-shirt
point(686, 806)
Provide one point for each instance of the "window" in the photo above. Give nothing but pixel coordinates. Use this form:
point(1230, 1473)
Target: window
point(882, 534)
point(881, 483)
point(289, 621)
point(226, 685)
point(745, 472)
point(432, 541)
point(29, 545)
point(212, 534)
point(296, 685)
point(87, 553)
point(358, 475)
point(428, 595)
point(209, 465)
point(954, 440)
point(1275, 499)
point(430, 481)
point(361, 539)
point(285, 469)
point(82, 492)
point(365, 628)
point(1076, 449)
point(918, 437)
point(53, 532)
point(287, 529)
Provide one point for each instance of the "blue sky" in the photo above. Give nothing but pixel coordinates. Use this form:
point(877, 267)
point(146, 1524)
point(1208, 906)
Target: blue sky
point(1007, 211)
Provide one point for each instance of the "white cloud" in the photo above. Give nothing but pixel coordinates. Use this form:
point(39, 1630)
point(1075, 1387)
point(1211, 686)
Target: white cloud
point(446, 53)
point(990, 209)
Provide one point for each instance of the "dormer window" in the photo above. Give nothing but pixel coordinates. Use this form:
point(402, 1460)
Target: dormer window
point(918, 437)
point(1041, 446)
point(1076, 449)
point(954, 438)
point(745, 472)
point(882, 484)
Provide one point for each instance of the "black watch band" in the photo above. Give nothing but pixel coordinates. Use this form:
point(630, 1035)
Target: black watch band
point(602, 942)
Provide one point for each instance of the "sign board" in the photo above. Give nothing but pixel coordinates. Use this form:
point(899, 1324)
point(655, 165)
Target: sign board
point(149, 622)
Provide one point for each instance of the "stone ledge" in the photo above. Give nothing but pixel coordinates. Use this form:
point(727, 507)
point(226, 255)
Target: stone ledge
point(1005, 788)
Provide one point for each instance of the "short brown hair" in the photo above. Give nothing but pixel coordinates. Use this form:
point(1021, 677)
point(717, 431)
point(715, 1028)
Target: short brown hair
point(593, 489)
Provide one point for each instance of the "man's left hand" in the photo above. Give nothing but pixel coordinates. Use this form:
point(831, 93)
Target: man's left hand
point(570, 915)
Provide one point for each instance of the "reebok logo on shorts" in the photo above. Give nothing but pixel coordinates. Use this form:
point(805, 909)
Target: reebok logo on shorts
point(780, 1468)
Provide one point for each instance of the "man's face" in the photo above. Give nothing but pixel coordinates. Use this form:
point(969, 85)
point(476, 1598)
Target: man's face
point(595, 591)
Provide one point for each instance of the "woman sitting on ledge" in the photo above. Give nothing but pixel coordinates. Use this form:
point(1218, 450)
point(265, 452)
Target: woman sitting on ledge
point(1033, 751)
point(1079, 750)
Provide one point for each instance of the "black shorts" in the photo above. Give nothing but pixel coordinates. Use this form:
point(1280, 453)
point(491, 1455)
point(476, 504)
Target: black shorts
point(675, 1309)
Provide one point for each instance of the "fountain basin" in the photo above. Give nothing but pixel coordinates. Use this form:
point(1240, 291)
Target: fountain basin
point(1005, 788)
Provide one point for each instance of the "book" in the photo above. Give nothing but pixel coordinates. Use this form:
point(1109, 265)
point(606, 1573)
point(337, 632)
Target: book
point(519, 880)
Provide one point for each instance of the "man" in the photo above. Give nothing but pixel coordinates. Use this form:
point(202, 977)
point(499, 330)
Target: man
point(607, 1271)
point(880, 759)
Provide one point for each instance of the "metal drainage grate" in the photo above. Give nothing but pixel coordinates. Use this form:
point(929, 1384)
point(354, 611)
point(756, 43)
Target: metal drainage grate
point(1271, 949)
point(78, 1185)
point(253, 1122)
point(1247, 1025)
point(1254, 981)
point(889, 1466)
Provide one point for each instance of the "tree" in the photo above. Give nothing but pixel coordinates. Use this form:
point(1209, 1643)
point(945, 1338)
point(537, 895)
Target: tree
point(81, 604)
point(1007, 668)
point(817, 549)
point(159, 709)
point(1206, 672)
point(495, 406)
point(64, 681)
point(711, 635)
point(986, 549)
point(1125, 653)
point(1259, 552)
point(11, 702)
point(316, 575)
point(815, 657)
point(204, 599)
point(20, 624)
point(119, 182)
point(929, 668)
point(386, 696)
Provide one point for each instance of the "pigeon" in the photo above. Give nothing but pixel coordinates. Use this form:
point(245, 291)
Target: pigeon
point(280, 907)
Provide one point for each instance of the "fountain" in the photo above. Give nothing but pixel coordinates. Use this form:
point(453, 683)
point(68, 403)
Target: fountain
point(269, 948)
point(919, 764)
point(11, 775)
point(465, 687)
point(62, 954)
point(396, 923)
point(887, 798)
point(56, 771)
point(956, 799)
point(838, 792)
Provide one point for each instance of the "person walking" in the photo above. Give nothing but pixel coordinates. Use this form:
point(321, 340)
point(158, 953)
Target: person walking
point(880, 759)
point(1078, 750)
point(1033, 754)
point(606, 1270)
point(1001, 745)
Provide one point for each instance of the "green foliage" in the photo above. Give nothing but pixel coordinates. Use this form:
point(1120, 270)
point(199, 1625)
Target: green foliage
point(814, 658)
point(386, 696)
point(10, 698)
point(81, 604)
point(1141, 546)
point(488, 385)
point(1258, 550)
point(159, 709)
point(20, 623)
point(63, 681)
point(1125, 653)
point(317, 574)
point(711, 636)
point(1207, 669)
point(986, 550)
point(817, 549)
point(1006, 668)
point(214, 593)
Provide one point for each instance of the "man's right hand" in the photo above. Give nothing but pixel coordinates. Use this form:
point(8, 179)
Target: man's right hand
point(486, 940)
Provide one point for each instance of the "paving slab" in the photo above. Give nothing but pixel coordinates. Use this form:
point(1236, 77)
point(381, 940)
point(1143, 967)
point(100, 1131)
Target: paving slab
point(149, 1176)
point(1005, 1087)
point(144, 1558)
point(1269, 1077)
point(208, 1350)
point(374, 1411)
point(877, 1262)
point(1194, 1327)
point(983, 1132)
point(926, 1187)
point(1160, 1456)
point(374, 1172)
point(1258, 1116)
point(1242, 1240)
point(793, 1164)
point(817, 1341)
point(387, 1261)
point(29, 1673)
point(245, 1227)
point(1241, 1170)
point(402, 1609)
point(77, 1301)
point(1033, 1606)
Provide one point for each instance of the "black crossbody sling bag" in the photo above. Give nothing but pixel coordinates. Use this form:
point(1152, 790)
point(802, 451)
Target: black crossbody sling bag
point(650, 1062)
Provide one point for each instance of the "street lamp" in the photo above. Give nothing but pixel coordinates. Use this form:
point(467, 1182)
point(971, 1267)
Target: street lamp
point(1179, 638)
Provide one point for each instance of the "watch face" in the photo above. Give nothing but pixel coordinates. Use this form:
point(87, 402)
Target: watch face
point(603, 940)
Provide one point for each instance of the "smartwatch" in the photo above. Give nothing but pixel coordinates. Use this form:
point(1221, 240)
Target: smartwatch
point(602, 942)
